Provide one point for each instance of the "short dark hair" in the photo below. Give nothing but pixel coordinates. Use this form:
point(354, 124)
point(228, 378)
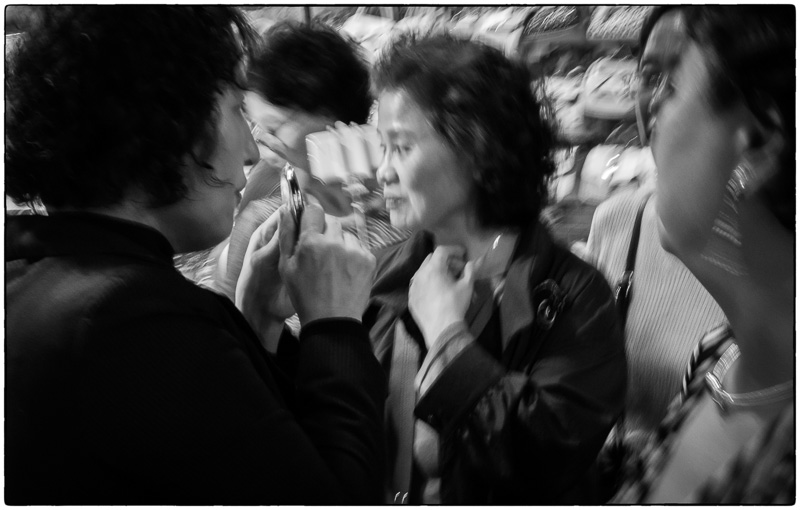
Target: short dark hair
point(752, 49)
point(314, 69)
point(484, 106)
point(105, 99)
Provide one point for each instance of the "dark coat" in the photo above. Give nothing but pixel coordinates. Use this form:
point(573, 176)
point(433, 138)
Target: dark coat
point(128, 384)
point(522, 425)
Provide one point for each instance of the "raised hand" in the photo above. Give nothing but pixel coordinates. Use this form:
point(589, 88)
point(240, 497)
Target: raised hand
point(440, 291)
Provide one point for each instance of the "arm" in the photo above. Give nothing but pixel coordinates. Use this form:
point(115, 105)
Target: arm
point(544, 424)
point(204, 418)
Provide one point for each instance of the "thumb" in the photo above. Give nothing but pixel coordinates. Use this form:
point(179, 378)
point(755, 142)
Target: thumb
point(269, 254)
point(312, 220)
point(468, 275)
point(287, 233)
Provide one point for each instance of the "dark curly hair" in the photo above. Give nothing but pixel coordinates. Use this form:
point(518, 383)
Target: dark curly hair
point(314, 69)
point(752, 50)
point(105, 99)
point(484, 106)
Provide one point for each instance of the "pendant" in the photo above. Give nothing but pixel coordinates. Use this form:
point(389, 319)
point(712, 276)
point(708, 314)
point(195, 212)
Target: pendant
point(718, 395)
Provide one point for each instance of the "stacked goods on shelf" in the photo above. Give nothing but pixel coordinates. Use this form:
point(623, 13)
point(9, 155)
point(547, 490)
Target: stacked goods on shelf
point(503, 29)
point(585, 55)
point(617, 23)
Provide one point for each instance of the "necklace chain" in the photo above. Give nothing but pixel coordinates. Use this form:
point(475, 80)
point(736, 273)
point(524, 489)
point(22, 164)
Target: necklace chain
point(727, 400)
point(492, 247)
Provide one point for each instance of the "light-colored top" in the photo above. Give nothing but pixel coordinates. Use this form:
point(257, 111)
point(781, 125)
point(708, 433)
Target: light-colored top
point(669, 310)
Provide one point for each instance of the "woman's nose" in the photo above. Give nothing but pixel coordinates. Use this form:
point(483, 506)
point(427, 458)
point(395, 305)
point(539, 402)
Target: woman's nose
point(385, 173)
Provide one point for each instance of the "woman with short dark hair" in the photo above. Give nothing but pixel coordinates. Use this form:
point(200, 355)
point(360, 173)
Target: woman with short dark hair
point(505, 358)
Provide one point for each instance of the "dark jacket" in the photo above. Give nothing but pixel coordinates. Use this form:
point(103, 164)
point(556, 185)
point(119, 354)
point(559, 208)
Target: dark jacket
point(127, 384)
point(522, 424)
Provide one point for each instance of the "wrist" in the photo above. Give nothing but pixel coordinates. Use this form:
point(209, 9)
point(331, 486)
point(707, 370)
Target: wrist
point(434, 330)
point(267, 328)
point(309, 317)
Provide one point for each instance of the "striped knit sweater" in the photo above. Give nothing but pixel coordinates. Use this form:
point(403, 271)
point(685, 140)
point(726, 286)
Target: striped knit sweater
point(669, 309)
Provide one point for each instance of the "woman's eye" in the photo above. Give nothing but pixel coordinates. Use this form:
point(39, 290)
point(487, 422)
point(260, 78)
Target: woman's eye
point(649, 80)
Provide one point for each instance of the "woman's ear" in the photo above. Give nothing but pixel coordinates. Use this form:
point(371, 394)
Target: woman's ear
point(763, 141)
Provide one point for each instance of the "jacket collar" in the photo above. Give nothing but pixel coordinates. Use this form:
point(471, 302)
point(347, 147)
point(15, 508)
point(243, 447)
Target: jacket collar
point(531, 263)
point(81, 233)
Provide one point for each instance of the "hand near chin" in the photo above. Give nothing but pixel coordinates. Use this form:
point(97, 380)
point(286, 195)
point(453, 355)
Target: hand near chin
point(260, 293)
point(327, 272)
point(440, 291)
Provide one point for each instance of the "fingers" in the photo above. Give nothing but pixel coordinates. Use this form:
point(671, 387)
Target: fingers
point(266, 231)
point(313, 219)
point(442, 253)
point(351, 241)
point(468, 275)
point(333, 228)
point(449, 259)
point(287, 232)
point(266, 251)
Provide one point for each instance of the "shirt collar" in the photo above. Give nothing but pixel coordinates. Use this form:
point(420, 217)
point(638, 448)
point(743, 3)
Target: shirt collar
point(78, 233)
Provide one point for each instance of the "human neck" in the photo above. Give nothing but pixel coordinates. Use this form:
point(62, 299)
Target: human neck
point(476, 240)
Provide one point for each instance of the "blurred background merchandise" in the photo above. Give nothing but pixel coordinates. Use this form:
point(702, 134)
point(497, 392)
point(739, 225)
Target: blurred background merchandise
point(583, 54)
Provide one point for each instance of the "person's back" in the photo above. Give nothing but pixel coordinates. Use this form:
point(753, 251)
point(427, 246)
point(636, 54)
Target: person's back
point(669, 309)
point(106, 340)
point(125, 382)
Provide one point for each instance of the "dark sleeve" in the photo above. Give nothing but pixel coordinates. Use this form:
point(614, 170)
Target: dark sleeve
point(547, 423)
point(193, 413)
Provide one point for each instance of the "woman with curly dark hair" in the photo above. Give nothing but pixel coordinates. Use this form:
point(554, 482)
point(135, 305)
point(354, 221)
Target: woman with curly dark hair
point(125, 382)
point(505, 358)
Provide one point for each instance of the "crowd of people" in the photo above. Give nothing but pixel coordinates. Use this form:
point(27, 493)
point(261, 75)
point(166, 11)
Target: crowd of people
point(458, 354)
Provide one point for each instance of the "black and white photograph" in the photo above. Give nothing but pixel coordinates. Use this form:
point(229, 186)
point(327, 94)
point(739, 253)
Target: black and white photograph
point(420, 254)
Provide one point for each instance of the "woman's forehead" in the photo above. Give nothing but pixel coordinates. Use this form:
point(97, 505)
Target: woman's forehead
point(397, 111)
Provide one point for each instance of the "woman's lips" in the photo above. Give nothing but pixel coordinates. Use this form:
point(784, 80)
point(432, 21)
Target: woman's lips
point(393, 202)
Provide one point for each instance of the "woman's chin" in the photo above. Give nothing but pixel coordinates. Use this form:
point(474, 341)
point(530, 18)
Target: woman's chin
point(402, 221)
point(664, 238)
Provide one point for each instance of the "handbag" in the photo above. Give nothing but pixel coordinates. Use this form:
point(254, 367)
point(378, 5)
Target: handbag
point(552, 27)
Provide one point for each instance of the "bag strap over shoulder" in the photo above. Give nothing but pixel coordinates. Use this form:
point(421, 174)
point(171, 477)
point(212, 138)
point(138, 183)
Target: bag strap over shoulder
point(622, 292)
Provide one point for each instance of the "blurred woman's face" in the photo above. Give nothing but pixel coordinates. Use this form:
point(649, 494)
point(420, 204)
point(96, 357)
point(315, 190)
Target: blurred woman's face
point(283, 130)
point(425, 183)
point(661, 54)
point(696, 147)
